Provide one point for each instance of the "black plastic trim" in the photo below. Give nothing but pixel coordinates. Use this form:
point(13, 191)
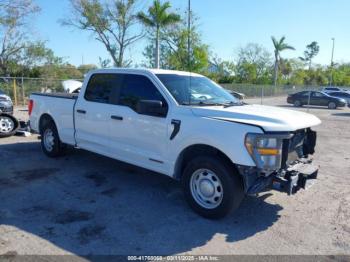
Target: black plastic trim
point(177, 127)
point(58, 95)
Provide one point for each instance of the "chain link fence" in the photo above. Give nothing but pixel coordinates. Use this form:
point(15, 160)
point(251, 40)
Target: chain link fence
point(20, 88)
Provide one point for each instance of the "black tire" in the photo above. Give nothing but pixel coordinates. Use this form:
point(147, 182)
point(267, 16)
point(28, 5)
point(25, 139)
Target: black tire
point(297, 103)
point(57, 148)
point(332, 105)
point(232, 187)
point(7, 120)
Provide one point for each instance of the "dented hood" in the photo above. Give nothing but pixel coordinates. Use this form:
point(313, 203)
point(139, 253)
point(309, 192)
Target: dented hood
point(271, 119)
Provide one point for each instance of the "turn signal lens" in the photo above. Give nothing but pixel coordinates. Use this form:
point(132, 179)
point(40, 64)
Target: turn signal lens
point(269, 151)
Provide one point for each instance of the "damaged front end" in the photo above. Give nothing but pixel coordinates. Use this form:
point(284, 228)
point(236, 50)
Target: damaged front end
point(283, 161)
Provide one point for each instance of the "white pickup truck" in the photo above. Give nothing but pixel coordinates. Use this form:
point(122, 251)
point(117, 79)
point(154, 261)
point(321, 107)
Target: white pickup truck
point(185, 126)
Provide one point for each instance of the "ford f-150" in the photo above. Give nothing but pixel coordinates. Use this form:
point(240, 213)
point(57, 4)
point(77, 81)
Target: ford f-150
point(185, 126)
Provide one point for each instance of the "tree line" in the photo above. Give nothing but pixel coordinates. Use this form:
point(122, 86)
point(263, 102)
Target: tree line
point(119, 25)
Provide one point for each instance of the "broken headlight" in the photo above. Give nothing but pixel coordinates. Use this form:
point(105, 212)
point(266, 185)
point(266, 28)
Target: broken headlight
point(266, 149)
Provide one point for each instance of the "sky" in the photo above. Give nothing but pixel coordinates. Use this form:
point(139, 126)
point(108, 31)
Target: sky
point(225, 25)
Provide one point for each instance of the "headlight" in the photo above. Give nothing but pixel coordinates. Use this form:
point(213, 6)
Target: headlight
point(266, 150)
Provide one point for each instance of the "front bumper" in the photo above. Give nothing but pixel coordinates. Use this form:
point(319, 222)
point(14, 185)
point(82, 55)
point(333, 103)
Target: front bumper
point(6, 107)
point(300, 175)
point(296, 171)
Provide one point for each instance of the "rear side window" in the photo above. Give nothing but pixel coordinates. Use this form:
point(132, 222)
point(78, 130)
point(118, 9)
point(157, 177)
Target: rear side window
point(102, 88)
point(305, 93)
point(136, 88)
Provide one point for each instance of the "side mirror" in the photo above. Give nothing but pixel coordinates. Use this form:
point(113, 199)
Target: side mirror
point(151, 108)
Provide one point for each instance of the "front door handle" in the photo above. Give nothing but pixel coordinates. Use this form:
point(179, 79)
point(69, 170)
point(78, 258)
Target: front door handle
point(81, 111)
point(119, 118)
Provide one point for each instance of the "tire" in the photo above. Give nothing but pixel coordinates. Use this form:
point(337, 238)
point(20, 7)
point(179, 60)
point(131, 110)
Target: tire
point(332, 105)
point(297, 103)
point(212, 177)
point(51, 144)
point(8, 125)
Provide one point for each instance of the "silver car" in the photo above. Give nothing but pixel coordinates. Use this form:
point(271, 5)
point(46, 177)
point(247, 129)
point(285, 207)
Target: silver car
point(6, 105)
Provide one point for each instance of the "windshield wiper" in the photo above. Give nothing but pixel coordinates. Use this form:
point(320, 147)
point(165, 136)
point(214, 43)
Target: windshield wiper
point(201, 103)
point(226, 105)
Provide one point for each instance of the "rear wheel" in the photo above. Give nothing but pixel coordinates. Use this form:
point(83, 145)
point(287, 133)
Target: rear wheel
point(8, 125)
point(297, 103)
point(332, 105)
point(212, 187)
point(50, 141)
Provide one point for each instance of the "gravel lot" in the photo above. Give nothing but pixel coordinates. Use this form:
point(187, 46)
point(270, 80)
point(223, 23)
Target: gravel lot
point(85, 204)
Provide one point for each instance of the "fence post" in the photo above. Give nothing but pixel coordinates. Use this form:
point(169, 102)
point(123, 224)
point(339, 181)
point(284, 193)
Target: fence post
point(262, 94)
point(15, 91)
point(23, 91)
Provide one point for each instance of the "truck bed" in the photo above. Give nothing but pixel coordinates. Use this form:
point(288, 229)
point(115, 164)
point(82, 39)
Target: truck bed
point(58, 95)
point(60, 107)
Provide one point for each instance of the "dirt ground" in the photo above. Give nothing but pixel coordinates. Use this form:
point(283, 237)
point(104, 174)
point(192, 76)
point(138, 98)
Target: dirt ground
point(85, 204)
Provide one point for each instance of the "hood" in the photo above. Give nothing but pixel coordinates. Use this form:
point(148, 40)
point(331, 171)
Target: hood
point(269, 118)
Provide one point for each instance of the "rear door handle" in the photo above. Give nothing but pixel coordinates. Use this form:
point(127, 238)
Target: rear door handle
point(81, 111)
point(119, 118)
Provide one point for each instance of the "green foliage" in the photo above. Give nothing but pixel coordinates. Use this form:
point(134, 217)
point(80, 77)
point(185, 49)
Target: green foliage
point(15, 18)
point(157, 19)
point(279, 46)
point(174, 49)
point(111, 24)
point(311, 51)
point(254, 64)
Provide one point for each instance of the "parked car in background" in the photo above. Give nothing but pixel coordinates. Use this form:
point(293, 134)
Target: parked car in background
point(343, 95)
point(315, 98)
point(334, 89)
point(6, 105)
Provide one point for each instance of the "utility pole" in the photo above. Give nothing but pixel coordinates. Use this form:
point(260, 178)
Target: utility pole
point(189, 35)
point(332, 63)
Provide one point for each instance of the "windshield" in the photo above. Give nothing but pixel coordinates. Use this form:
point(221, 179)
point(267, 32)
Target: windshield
point(196, 90)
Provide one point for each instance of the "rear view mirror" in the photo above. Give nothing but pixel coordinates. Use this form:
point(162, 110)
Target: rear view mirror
point(151, 108)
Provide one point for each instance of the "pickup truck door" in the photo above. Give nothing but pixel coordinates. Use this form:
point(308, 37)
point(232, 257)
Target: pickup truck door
point(92, 113)
point(136, 138)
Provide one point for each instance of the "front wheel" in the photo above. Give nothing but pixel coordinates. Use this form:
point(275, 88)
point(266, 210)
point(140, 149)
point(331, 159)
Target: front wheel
point(332, 105)
point(212, 187)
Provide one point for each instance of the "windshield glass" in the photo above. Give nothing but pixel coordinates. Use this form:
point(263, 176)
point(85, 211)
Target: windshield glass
point(196, 90)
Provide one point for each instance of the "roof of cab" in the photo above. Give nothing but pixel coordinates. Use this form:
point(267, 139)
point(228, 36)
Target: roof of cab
point(144, 70)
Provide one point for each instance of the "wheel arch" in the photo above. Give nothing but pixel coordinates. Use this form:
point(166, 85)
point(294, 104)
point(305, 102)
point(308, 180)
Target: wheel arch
point(195, 150)
point(45, 118)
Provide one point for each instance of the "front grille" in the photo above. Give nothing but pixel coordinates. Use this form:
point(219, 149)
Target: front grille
point(293, 148)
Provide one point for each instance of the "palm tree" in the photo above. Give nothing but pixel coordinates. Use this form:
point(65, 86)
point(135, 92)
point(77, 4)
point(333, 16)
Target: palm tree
point(279, 47)
point(158, 18)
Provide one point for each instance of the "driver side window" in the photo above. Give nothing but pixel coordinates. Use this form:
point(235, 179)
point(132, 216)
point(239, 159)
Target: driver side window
point(136, 88)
